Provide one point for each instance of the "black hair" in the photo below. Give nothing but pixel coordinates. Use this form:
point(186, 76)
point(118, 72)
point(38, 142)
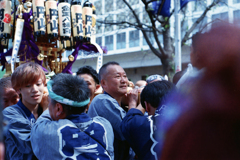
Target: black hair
point(177, 76)
point(89, 70)
point(73, 88)
point(103, 69)
point(155, 93)
point(5, 83)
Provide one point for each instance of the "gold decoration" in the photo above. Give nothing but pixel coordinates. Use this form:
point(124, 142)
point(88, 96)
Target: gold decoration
point(93, 17)
point(71, 58)
point(40, 57)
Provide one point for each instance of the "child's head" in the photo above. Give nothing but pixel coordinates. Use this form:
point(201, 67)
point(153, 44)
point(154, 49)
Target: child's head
point(8, 95)
point(28, 80)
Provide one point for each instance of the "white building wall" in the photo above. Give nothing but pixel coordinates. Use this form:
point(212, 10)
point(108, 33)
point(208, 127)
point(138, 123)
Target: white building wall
point(139, 61)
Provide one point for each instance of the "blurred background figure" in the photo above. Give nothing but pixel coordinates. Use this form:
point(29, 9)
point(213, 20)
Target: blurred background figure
point(205, 122)
point(140, 84)
point(140, 130)
point(154, 78)
point(91, 77)
point(178, 76)
point(196, 67)
point(9, 95)
point(2, 149)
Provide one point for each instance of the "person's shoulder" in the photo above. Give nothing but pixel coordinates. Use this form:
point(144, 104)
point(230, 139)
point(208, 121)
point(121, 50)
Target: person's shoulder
point(14, 109)
point(103, 99)
point(102, 120)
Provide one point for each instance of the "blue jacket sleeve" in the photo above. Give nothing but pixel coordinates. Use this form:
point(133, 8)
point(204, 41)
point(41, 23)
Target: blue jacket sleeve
point(135, 128)
point(18, 131)
point(109, 110)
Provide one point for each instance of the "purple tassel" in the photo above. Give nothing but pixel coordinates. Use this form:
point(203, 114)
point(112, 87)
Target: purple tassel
point(82, 46)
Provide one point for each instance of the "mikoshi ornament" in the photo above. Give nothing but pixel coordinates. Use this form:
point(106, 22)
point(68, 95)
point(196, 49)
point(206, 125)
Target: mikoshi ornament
point(56, 26)
point(77, 24)
point(87, 21)
point(39, 18)
point(52, 19)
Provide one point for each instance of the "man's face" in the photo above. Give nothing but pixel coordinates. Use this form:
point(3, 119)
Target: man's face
point(32, 94)
point(115, 81)
point(10, 97)
point(91, 83)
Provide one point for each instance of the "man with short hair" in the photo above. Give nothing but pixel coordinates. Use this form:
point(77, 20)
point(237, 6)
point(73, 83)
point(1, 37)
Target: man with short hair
point(114, 82)
point(9, 95)
point(65, 131)
point(140, 131)
point(91, 77)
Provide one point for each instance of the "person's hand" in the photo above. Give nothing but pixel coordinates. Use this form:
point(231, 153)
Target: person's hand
point(132, 97)
point(44, 102)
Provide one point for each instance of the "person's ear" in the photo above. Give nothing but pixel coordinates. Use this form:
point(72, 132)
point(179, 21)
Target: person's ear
point(147, 106)
point(60, 114)
point(97, 87)
point(103, 83)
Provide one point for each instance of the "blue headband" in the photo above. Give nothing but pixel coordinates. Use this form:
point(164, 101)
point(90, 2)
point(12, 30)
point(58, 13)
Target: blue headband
point(63, 100)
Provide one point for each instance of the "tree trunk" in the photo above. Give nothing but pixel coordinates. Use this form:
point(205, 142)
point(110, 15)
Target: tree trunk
point(167, 61)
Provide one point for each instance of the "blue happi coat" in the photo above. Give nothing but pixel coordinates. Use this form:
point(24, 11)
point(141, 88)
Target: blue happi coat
point(142, 132)
point(19, 123)
point(76, 137)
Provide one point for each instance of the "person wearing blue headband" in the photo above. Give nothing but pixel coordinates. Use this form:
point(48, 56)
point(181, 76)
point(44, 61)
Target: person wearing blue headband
point(68, 132)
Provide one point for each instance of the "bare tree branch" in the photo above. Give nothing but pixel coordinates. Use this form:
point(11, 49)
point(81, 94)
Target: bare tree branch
point(185, 38)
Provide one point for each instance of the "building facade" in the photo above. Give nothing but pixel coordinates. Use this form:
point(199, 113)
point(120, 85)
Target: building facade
point(128, 47)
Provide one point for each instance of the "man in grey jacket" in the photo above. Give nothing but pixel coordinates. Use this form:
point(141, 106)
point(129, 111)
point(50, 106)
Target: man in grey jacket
point(114, 82)
point(65, 131)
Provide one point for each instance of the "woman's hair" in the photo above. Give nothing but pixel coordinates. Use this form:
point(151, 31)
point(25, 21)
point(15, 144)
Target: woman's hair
point(27, 73)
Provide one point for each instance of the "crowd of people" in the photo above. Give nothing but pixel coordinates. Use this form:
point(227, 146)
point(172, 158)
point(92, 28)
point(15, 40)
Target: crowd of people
point(196, 115)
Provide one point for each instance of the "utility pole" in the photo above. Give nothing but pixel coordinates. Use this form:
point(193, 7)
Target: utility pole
point(178, 51)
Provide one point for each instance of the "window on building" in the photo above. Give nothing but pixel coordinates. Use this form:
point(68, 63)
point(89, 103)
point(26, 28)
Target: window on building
point(184, 28)
point(121, 40)
point(222, 3)
point(108, 5)
point(120, 18)
point(133, 2)
point(201, 26)
point(99, 26)
point(98, 6)
point(134, 38)
point(132, 18)
point(236, 1)
point(146, 18)
point(220, 17)
point(99, 41)
point(198, 5)
point(108, 27)
point(236, 16)
point(150, 36)
point(109, 42)
point(120, 5)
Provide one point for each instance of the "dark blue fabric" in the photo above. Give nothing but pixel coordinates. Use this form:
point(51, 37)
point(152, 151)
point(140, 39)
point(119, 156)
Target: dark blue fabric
point(17, 137)
point(26, 111)
point(76, 137)
point(165, 11)
point(140, 132)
